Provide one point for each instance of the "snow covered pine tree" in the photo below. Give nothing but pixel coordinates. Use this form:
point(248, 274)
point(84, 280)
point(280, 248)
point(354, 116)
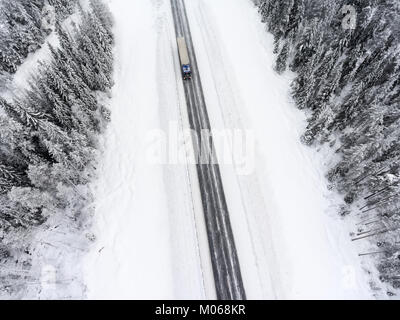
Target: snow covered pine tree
point(49, 133)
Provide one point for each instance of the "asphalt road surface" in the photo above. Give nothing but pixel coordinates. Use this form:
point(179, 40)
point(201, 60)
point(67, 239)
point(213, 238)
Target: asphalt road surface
point(224, 258)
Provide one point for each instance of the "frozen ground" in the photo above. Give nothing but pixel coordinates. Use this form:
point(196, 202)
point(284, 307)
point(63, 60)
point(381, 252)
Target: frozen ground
point(151, 237)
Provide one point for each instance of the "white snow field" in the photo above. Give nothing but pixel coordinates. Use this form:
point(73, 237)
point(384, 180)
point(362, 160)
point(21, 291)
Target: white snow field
point(151, 239)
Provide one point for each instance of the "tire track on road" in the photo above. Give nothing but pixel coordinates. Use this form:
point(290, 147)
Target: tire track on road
point(224, 257)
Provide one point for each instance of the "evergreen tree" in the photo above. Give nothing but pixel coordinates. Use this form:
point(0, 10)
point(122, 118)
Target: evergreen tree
point(49, 133)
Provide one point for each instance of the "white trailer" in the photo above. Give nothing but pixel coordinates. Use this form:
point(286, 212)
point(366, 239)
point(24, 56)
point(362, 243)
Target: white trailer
point(184, 57)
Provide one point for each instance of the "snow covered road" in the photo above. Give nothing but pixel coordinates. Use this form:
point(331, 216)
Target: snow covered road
point(151, 232)
point(227, 275)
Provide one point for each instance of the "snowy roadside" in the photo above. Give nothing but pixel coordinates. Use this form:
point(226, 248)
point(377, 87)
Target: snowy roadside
point(294, 237)
point(146, 213)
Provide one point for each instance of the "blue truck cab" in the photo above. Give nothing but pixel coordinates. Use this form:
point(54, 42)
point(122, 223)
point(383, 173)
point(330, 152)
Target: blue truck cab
point(187, 72)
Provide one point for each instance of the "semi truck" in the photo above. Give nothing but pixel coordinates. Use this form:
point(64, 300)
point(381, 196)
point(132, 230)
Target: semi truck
point(184, 57)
